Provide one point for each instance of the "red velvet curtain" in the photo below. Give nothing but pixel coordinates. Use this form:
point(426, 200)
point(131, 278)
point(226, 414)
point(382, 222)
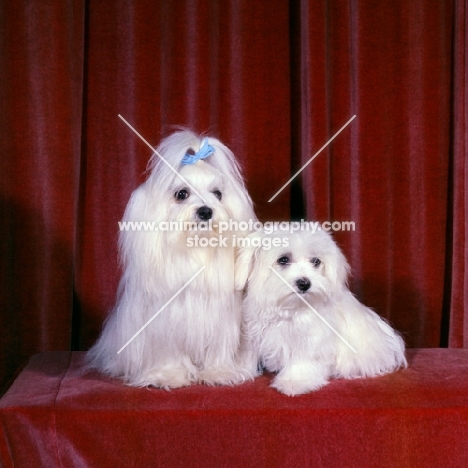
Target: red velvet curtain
point(274, 80)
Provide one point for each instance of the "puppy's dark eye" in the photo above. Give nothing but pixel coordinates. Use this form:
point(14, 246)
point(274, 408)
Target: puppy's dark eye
point(182, 194)
point(283, 260)
point(315, 261)
point(218, 194)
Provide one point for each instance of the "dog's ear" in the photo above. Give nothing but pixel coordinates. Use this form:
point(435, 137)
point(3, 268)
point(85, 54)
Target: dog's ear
point(245, 258)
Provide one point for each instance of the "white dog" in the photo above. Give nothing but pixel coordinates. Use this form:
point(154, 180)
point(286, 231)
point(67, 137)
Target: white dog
point(191, 324)
point(300, 319)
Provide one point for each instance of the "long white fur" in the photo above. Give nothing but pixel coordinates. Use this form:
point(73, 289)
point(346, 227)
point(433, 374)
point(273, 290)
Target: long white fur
point(196, 337)
point(283, 335)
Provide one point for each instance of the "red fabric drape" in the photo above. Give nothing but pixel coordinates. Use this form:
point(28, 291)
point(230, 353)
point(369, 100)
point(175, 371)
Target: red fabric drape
point(55, 415)
point(274, 80)
point(41, 57)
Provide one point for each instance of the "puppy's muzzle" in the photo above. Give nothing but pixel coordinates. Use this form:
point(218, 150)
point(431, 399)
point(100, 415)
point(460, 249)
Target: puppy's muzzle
point(303, 284)
point(204, 213)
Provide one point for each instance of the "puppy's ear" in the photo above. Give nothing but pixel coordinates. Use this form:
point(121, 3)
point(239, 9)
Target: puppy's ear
point(245, 257)
point(337, 269)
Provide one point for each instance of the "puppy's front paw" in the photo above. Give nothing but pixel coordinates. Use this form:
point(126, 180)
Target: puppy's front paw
point(300, 378)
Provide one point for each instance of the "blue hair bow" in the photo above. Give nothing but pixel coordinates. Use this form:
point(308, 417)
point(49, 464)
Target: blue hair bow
point(204, 151)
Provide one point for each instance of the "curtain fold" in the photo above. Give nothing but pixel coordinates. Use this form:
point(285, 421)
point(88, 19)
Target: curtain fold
point(273, 80)
point(456, 317)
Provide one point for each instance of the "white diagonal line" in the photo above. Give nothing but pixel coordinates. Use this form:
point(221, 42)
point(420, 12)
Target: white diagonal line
point(313, 310)
point(312, 158)
point(161, 309)
point(162, 159)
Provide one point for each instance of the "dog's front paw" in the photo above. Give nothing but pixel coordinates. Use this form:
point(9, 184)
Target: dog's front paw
point(224, 375)
point(167, 378)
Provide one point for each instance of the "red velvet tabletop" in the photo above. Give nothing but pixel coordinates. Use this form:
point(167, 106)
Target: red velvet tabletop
point(58, 414)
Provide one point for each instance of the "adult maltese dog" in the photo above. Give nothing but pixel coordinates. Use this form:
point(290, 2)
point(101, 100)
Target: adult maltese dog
point(300, 319)
point(177, 315)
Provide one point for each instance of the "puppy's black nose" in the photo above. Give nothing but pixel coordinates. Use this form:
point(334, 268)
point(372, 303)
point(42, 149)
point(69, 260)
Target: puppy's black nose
point(303, 284)
point(204, 213)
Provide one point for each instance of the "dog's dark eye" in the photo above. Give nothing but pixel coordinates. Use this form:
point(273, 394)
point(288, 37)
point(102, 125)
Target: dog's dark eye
point(218, 194)
point(182, 194)
point(315, 261)
point(284, 260)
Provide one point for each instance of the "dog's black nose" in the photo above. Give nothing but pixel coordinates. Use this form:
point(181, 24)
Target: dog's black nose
point(303, 284)
point(204, 213)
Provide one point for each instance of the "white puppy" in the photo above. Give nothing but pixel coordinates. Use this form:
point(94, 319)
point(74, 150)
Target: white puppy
point(300, 319)
point(188, 327)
